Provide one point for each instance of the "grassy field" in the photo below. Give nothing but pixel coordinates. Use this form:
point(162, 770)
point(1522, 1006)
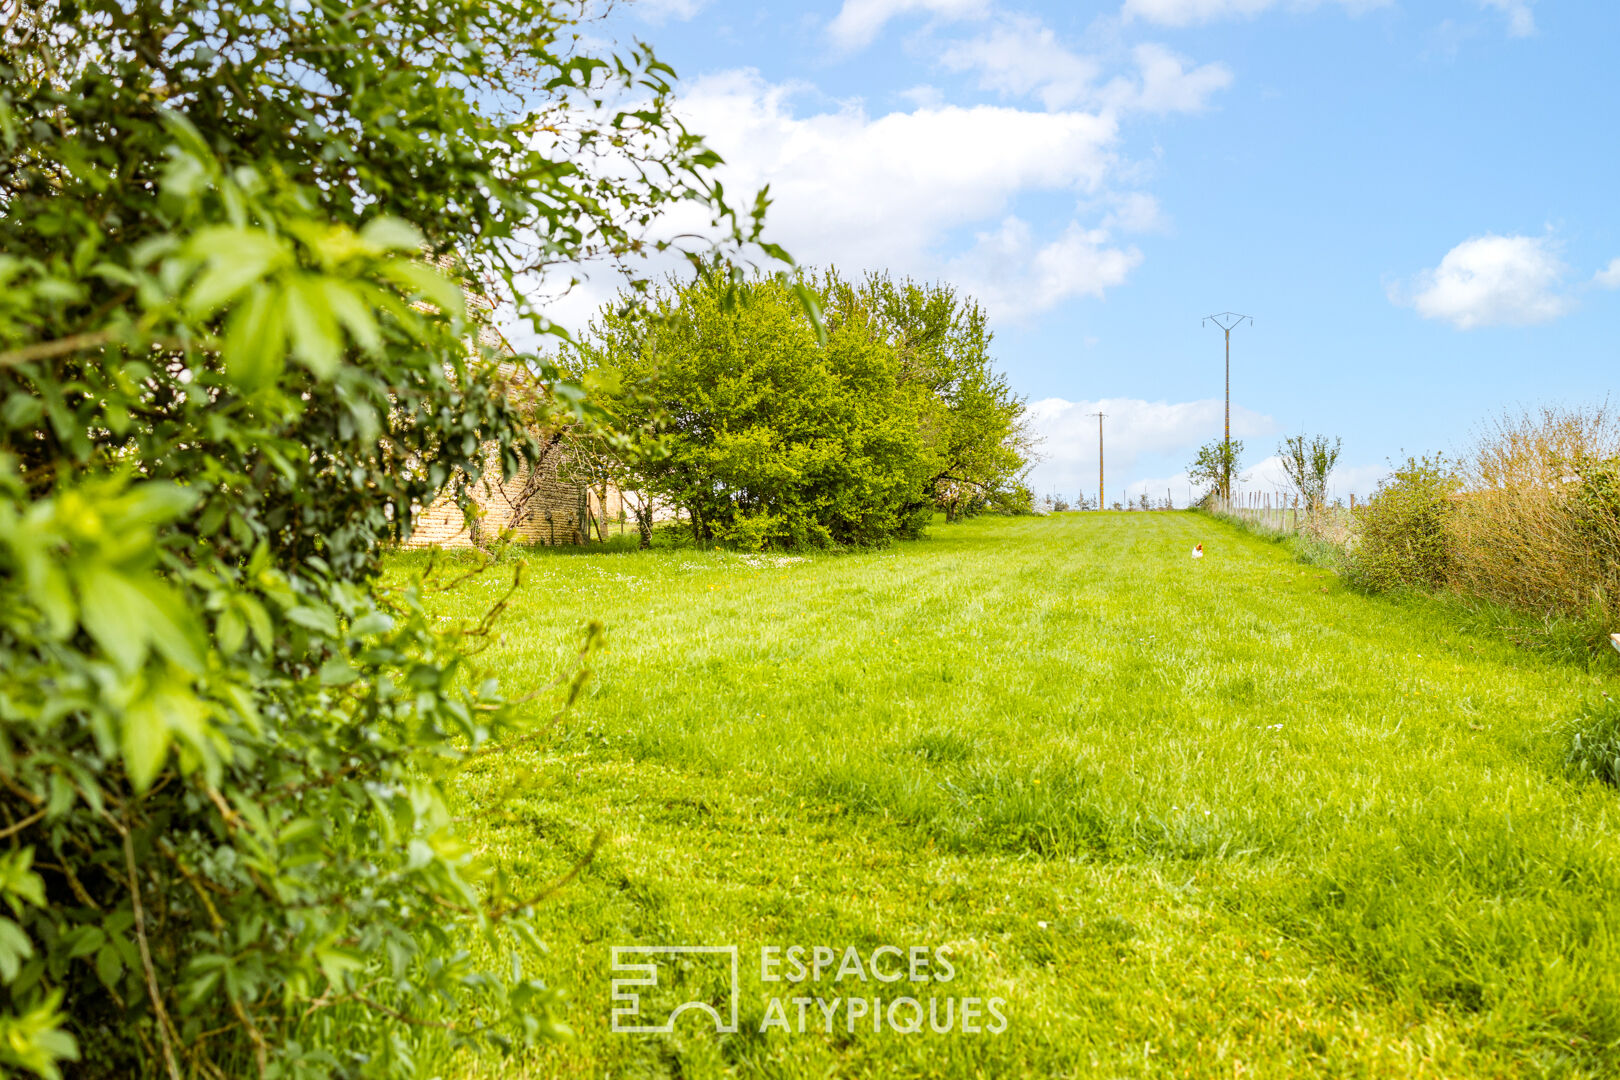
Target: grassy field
point(1187, 818)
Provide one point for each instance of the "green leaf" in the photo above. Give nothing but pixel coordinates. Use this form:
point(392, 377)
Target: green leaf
point(353, 313)
point(258, 620)
point(18, 880)
point(236, 260)
point(318, 619)
point(391, 234)
point(336, 963)
point(156, 502)
point(231, 631)
point(316, 341)
point(14, 949)
point(145, 742)
point(429, 284)
point(338, 672)
point(82, 940)
point(170, 627)
point(374, 622)
point(114, 612)
point(255, 340)
point(109, 968)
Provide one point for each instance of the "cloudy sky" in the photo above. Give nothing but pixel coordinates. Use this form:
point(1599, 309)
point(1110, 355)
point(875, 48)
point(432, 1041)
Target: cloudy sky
point(1415, 199)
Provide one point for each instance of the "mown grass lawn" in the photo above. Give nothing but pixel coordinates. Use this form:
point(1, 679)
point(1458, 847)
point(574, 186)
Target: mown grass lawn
point(1188, 818)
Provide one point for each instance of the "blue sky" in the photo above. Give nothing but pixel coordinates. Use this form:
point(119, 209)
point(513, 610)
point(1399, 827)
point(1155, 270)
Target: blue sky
point(1415, 200)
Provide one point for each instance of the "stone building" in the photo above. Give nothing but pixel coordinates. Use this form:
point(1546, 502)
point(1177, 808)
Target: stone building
point(537, 506)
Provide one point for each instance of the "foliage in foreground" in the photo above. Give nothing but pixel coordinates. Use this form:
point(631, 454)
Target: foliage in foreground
point(227, 379)
point(768, 434)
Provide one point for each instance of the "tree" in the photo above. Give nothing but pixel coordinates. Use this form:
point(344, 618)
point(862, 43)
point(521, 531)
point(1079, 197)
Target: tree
point(1308, 462)
point(1215, 465)
point(974, 425)
point(233, 358)
point(765, 433)
point(727, 404)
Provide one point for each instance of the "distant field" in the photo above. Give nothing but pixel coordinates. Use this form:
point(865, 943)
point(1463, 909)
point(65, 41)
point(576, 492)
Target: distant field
point(1187, 818)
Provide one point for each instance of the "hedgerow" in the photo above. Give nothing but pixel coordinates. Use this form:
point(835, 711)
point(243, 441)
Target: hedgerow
point(229, 374)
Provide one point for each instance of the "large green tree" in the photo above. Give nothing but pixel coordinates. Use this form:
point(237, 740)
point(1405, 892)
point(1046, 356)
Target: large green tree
point(761, 429)
point(736, 411)
point(973, 424)
point(234, 358)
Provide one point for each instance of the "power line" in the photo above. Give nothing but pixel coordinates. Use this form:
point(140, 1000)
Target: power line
point(1227, 321)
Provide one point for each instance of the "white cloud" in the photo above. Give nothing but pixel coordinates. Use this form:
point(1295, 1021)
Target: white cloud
point(866, 188)
point(1014, 276)
point(1609, 276)
point(1492, 280)
point(658, 11)
point(1135, 212)
point(1167, 85)
point(1521, 20)
point(1193, 12)
point(900, 191)
point(1134, 430)
point(1021, 56)
point(858, 22)
point(924, 96)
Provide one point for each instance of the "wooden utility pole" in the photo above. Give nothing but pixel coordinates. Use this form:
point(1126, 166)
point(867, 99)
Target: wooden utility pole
point(1227, 321)
point(1101, 503)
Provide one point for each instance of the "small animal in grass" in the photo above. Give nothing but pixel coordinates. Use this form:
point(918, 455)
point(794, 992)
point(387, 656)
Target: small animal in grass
point(1198, 551)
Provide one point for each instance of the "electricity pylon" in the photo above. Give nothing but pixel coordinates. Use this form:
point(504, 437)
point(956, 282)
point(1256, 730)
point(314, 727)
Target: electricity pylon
point(1227, 321)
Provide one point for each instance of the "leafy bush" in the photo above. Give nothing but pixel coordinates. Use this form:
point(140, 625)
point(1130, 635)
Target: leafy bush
point(1402, 536)
point(767, 433)
point(227, 378)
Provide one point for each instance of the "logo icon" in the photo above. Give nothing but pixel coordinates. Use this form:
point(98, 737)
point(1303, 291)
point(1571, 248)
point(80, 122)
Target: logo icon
point(627, 1016)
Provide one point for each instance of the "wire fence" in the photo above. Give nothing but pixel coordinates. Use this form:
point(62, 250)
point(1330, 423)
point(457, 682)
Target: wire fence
point(1267, 511)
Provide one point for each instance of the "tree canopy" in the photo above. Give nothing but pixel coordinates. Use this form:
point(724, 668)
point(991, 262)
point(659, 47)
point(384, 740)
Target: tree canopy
point(1309, 462)
point(766, 432)
point(1215, 464)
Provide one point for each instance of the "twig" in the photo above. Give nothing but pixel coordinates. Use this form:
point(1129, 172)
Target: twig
point(152, 991)
point(560, 883)
point(12, 830)
point(401, 1017)
point(49, 350)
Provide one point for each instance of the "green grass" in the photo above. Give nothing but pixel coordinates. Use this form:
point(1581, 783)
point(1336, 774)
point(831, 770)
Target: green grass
point(1221, 817)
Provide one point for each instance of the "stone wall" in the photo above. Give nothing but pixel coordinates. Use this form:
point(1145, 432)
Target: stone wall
point(530, 508)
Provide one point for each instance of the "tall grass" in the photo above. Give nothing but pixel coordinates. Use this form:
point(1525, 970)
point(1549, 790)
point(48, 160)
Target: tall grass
point(1537, 526)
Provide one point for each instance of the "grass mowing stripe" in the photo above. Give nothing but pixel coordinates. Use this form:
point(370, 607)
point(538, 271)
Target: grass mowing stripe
point(1268, 824)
